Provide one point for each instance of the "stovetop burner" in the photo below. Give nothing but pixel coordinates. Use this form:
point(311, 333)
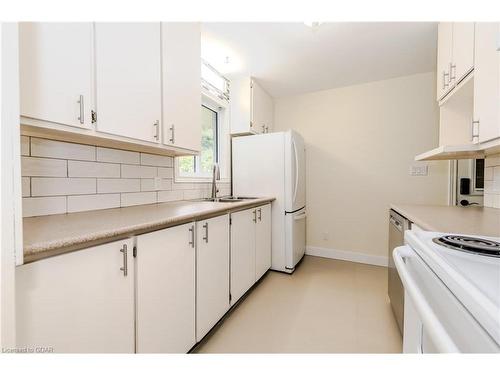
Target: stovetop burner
point(472, 245)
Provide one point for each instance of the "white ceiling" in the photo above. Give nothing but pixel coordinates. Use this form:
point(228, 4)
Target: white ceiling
point(291, 58)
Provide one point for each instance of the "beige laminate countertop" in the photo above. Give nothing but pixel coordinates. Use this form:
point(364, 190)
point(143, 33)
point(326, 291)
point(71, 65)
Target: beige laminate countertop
point(46, 236)
point(481, 221)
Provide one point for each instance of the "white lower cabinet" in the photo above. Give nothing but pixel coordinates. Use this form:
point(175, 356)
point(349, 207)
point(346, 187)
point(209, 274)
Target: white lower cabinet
point(81, 302)
point(165, 266)
point(242, 252)
point(212, 271)
point(263, 241)
point(250, 248)
point(180, 283)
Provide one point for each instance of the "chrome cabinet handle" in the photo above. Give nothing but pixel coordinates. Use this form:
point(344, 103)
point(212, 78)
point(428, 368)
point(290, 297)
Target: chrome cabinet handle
point(192, 236)
point(206, 232)
point(452, 66)
point(472, 132)
point(156, 125)
point(260, 214)
point(172, 130)
point(81, 117)
point(254, 216)
point(125, 265)
point(445, 84)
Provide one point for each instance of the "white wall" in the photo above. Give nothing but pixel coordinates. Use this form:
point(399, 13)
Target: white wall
point(361, 141)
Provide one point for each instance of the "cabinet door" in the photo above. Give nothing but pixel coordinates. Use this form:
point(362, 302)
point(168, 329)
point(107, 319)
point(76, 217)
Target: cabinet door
point(166, 290)
point(242, 252)
point(241, 106)
point(444, 57)
point(262, 109)
point(486, 81)
point(263, 241)
point(81, 302)
point(128, 79)
point(463, 51)
point(212, 273)
point(181, 64)
point(55, 71)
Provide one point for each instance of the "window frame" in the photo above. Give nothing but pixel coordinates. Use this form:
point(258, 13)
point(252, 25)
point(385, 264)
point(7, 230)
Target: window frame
point(223, 155)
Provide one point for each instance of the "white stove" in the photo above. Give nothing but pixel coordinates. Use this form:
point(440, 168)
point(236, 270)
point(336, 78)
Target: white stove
point(452, 289)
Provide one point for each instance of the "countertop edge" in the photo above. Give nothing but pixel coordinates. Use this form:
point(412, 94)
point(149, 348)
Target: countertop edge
point(42, 250)
point(413, 219)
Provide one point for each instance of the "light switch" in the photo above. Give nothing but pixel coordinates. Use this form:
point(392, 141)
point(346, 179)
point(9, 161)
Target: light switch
point(419, 170)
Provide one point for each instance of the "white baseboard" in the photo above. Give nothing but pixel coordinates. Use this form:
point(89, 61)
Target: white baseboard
point(350, 256)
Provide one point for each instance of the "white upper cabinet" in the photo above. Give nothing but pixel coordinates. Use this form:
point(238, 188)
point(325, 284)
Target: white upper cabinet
point(262, 109)
point(212, 272)
point(486, 81)
point(181, 66)
point(463, 51)
point(128, 79)
point(81, 302)
point(444, 57)
point(252, 108)
point(165, 266)
point(455, 55)
point(55, 67)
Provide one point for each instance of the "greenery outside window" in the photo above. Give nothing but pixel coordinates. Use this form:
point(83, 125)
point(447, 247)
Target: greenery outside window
point(201, 166)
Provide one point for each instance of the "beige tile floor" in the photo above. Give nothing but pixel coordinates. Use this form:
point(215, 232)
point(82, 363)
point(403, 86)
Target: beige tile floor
point(325, 306)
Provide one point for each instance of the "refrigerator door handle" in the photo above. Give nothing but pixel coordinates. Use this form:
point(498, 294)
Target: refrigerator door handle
point(296, 171)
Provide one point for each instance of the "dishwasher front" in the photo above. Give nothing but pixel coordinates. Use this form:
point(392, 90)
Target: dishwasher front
point(397, 226)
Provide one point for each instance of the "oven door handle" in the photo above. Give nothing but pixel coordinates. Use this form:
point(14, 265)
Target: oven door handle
point(434, 328)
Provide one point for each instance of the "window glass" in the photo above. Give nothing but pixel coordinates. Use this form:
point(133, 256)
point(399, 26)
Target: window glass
point(201, 166)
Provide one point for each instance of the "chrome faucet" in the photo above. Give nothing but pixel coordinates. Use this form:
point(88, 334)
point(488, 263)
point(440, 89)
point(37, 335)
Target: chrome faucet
point(215, 176)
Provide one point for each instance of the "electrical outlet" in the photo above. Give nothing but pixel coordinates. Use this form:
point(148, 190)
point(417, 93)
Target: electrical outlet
point(156, 183)
point(419, 170)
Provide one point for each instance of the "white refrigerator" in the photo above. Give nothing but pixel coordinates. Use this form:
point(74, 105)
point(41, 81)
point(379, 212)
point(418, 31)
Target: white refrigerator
point(273, 164)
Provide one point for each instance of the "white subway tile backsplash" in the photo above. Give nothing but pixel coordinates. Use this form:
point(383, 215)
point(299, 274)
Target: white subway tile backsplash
point(165, 172)
point(43, 206)
point(112, 155)
point(49, 186)
point(170, 195)
point(118, 185)
point(492, 181)
point(60, 177)
point(134, 199)
point(492, 161)
point(77, 203)
point(92, 169)
point(137, 171)
point(491, 200)
point(492, 187)
point(193, 194)
point(488, 174)
point(156, 160)
point(148, 184)
point(25, 145)
point(41, 167)
point(61, 150)
point(496, 173)
point(26, 186)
